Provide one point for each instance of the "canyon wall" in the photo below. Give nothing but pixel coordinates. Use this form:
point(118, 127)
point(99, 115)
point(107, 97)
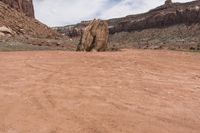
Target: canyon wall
point(163, 16)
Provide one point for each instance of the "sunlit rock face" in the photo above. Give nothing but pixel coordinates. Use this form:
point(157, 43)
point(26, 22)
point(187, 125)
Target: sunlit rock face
point(168, 2)
point(25, 6)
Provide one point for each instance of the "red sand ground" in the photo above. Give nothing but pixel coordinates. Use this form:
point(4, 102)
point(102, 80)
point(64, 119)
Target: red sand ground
point(133, 91)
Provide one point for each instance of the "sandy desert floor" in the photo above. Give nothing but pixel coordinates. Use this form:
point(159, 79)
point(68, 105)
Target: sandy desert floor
point(132, 91)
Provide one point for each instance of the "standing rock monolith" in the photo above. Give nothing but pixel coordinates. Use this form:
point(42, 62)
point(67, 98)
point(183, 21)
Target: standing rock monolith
point(94, 37)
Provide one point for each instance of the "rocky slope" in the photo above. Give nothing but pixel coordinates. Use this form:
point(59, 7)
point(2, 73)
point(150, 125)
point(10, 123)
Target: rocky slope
point(18, 28)
point(146, 30)
point(25, 6)
point(20, 24)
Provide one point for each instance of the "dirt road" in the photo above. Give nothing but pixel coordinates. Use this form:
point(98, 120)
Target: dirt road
point(133, 91)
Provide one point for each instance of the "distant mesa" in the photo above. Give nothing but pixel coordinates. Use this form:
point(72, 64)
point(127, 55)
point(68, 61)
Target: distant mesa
point(166, 15)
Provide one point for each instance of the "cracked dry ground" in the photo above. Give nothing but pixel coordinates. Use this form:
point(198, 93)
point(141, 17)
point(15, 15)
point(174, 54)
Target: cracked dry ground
point(132, 91)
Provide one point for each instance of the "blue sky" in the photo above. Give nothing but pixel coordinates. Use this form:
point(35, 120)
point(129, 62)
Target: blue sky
point(65, 12)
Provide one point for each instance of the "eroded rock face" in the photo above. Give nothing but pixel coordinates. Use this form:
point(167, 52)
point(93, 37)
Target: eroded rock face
point(94, 37)
point(168, 2)
point(25, 6)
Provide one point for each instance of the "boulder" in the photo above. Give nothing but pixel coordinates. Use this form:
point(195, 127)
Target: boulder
point(94, 37)
point(2, 34)
point(4, 30)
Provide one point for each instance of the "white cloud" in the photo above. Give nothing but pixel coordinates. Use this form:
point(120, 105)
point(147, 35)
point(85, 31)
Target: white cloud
point(63, 12)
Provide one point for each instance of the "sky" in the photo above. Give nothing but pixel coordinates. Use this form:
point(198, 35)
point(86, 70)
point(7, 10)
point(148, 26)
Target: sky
point(66, 12)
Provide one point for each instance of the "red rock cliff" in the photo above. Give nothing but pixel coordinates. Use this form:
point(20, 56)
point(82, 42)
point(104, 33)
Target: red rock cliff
point(25, 6)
